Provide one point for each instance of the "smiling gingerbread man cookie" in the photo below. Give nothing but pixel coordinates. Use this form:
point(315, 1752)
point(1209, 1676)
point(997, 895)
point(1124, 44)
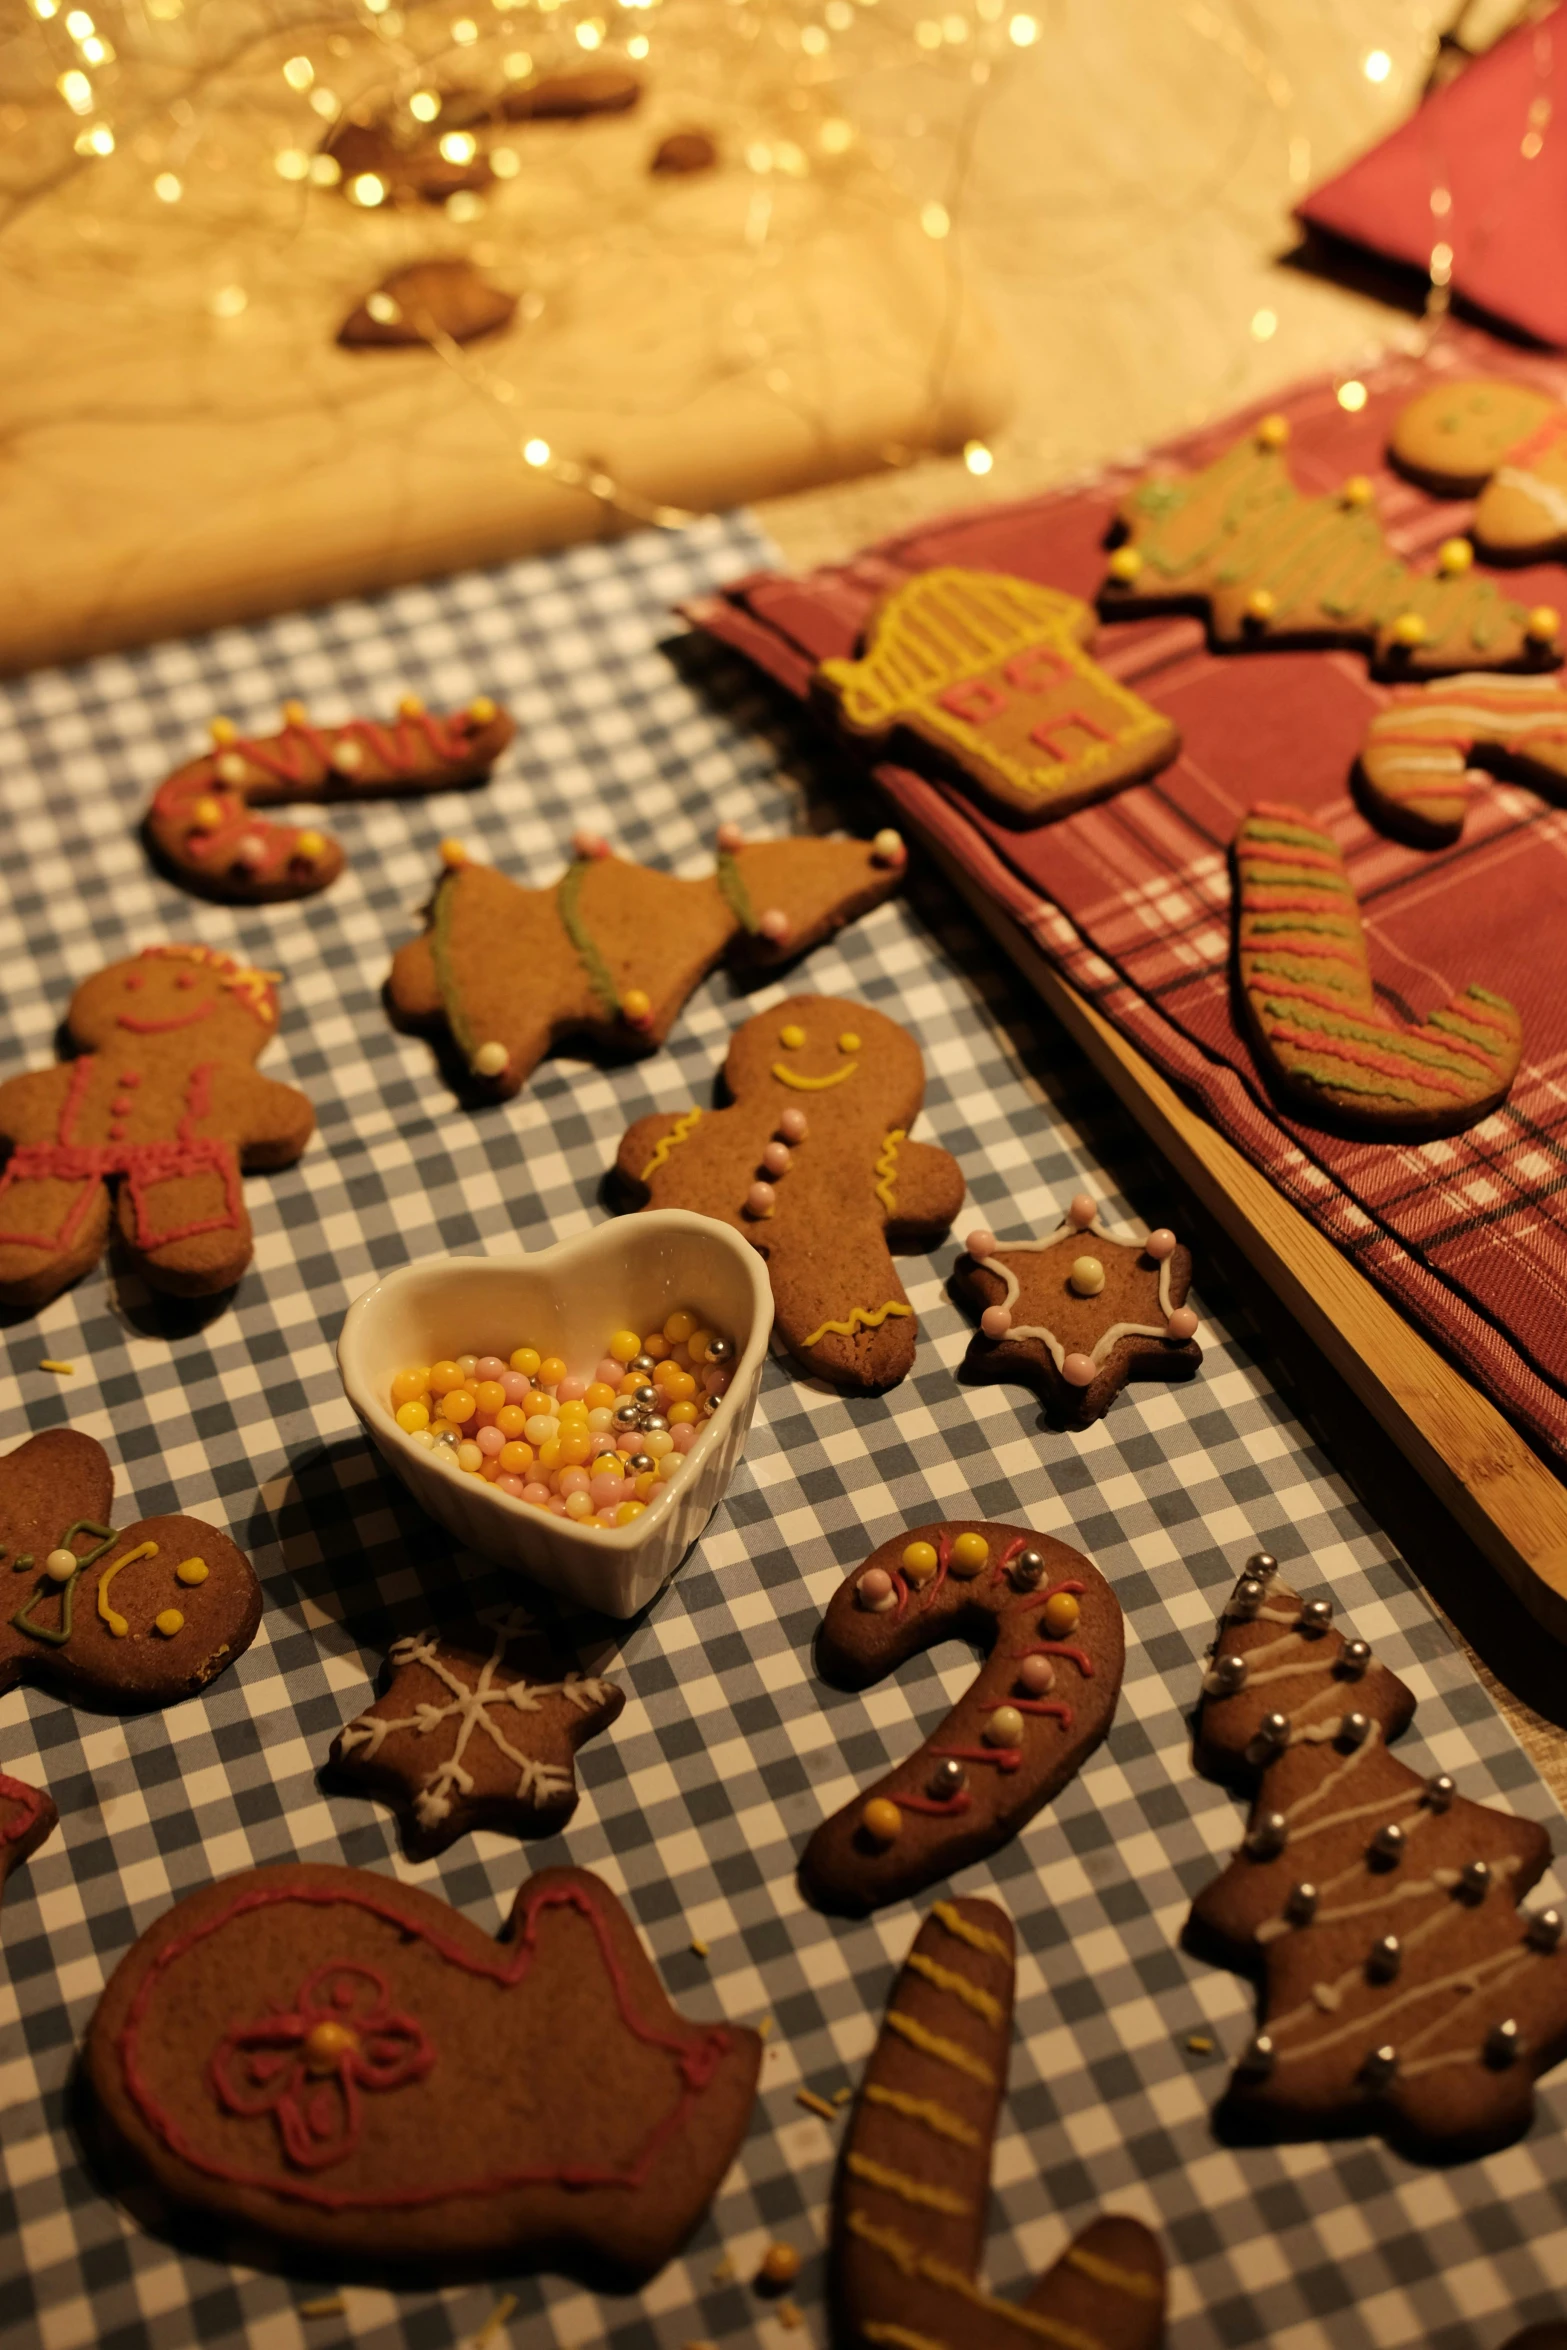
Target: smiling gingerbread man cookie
point(163, 1103)
point(814, 1166)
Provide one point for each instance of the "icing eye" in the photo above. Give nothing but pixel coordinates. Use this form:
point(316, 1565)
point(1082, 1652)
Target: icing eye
point(135, 979)
point(185, 979)
point(848, 1042)
point(791, 1038)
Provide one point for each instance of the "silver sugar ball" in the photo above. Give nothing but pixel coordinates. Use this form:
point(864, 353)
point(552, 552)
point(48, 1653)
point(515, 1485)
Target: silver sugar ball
point(710, 1404)
point(1267, 1836)
point(654, 1423)
point(1388, 1843)
point(949, 1778)
point(1272, 1736)
point(1256, 2058)
point(1226, 1677)
point(449, 1437)
point(1379, 2067)
point(641, 1464)
point(1545, 1929)
point(1354, 1657)
point(1385, 1959)
point(1474, 1880)
point(1355, 1729)
point(627, 1413)
point(1262, 1564)
point(1316, 1615)
point(1503, 2045)
point(1027, 1570)
point(1439, 1792)
point(1301, 1905)
point(1247, 1597)
point(642, 1363)
point(722, 1350)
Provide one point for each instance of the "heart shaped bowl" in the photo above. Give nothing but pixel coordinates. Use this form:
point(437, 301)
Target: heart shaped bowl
point(565, 1300)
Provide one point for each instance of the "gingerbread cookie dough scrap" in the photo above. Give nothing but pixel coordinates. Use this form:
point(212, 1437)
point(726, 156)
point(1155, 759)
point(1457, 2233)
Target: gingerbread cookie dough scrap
point(812, 1163)
point(1078, 1313)
point(1267, 565)
point(606, 958)
point(1403, 1989)
point(154, 1122)
point(128, 1619)
point(202, 825)
point(1503, 442)
point(345, 2064)
point(1425, 755)
point(990, 674)
point(28, 1818)
point(909, 2202)
point(478, 1727)
point(1041, 1703)
point(1317, 1030)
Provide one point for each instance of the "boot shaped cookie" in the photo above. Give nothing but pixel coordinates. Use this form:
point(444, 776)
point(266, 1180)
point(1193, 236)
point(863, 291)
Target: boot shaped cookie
point(813, 1165)
point(1041, 1703)
point(908, 2227)
point(989, 673)
point(605, 960)
point(201, 826)
point(1417, 766)
point(341, 2061)
point(1315, 1024)
point(1269, 566)
point(133, 1619)
point(1503, 442)
point(164, 1104)
point(27, 1819)
point(1403, 1991)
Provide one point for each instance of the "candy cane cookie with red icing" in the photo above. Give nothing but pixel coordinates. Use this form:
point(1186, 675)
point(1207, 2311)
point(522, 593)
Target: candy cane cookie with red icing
point(28, 1818)
point(1080, 1312)
point(1042, 1701)
point(1425, 755)
point(1315, 1024)
point(202, 824)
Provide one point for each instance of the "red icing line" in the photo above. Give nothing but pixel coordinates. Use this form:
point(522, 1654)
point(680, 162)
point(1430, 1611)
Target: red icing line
point(1079, 1656)
point(1281, 811)
point(1005, 1758)
point(934, 1805)
point(31, 1801)
point(1286, 853)
point(697, 2056)
point(1271, 898)
point(1288, 942)
point(1033, 1705)
point(144, 1165)
point(1337, 1048)
point(943, 1561)
point(387, 2050)
point(165, 1027)
point(1539, 442)
point(1038, 1598)
point(1480, 1014)
point(1304, 992)
point(999, 1565)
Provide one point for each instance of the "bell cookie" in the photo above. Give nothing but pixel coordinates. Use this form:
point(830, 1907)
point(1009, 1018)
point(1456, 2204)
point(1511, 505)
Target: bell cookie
point(476, 1728)
point(1417, 770)
point(1269, 566)
point(990, 674)
point(1314, 1023)
point(812, 1164)
point(201, 826)
point(344, 2064)
point(1402, 1990)
point(910, 2198)
point(27, 1819)
point(132, 1619)
point(606, 959)
point(1042, 1701)
point(162, 1103)
point(1077, 1314)
point(1504, 443)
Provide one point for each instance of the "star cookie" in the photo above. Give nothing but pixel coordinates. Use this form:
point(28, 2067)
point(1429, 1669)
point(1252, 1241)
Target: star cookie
point(475, 1729)
point(27, 1819)
point(1078, 1314)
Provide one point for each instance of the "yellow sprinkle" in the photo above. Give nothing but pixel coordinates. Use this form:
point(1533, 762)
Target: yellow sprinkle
point(66, 1370)
point(496, 2319)
point(329, 2305)
point(790, 2315)
point(698, 1947)
point(723, 2274)
point(814, 2104)
point(764, 2028)
point(1199, 2043)
point(842, 2096)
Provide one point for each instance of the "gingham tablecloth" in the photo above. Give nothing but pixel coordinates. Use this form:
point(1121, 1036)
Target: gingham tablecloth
point(730, 1750)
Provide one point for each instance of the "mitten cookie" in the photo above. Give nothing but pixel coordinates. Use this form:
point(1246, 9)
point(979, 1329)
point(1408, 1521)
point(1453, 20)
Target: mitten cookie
point(1315, 1025)
point(201, 823)
point(476, 1729)
point(342, 2062)
point(1268, 566)
point(164, 1104)
point(134, 1619)
point(1041, 1703)
point(1402, 1990)
point(1506, 443)
point(1416, 767)
point(1079, 1313)
point(813, 1165)
point(605, 960)
point(989, 673)
point(909, 2202)
point(27, 1819)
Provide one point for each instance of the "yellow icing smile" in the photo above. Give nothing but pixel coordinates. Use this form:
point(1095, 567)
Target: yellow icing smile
point(788, 1076)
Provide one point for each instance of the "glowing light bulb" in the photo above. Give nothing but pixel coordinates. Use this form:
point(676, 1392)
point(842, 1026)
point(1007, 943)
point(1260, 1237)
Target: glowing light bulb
point(536, 452)
point(291, 163)
point(1376, 65)
point(977, 457)
point(367, 188)
point(517, 65)
point(1023, 31)
point(79, 24)
point(1352, 396)
point(424, 106)
point(168, 187)
point(459, 146)
point(299, 73)
point(465, 32)
point(99, 140)
point(228, 301)
point(934, 220)
point(637, 46)
point(1264, 325)
point(76, 90)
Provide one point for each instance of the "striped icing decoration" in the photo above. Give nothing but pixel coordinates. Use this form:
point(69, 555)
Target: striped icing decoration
point(1415, 761)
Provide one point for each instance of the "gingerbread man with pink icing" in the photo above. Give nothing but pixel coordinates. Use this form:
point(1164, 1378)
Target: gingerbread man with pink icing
point(1078, 1313)
point(155, 1120)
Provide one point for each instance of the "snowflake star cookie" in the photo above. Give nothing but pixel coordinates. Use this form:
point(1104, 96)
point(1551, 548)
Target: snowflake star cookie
point(1078, 1314)
point(475, 1730)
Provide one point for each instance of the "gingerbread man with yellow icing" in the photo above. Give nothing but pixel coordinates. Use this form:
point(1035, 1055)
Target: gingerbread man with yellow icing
point(163, 1103)
point(813, 1164)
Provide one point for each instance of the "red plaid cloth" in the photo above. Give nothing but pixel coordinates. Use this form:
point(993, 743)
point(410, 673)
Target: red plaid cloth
point(1131, 899)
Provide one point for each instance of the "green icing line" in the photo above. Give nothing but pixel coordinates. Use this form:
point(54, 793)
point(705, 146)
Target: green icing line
point(1267, 872)
point(441, 953)
point(1419, 1050)
point(1299, 836)
point(735, 894)
point(600, 978)
point(1344, 1079)
point(1301, 967)
point(1483, 995)
point(59, 1635)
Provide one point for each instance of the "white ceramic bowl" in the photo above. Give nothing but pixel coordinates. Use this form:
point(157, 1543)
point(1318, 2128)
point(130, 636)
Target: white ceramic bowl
point(628, 1274)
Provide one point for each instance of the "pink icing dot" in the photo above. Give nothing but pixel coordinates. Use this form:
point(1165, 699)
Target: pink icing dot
point(517, 1388)
point(980, 1243)
point(556, 1506)
point(1078, 1371)
point(130, 1077)
point(121, 1106)
point(1082, 1210)
point(1037, 1675)
point(116, 1132)
point(873, 1587)
point(774, 925)
point(1182, 1324)
point(717, 1382)
point(507, 1483)
point(792, 1126)
point(490, 1440)
point(683, 1437)
point(573, 1481)
point(489, 1367)
point(590, 844)
point(730, 837)
point(760, 1200)
point(607, 1491)
point(609, 1372)
point(571, 1391)
point(775, 1158)
point(1160, 1244)
point(248, 851)
point(539, 1495)
point(995, 1321)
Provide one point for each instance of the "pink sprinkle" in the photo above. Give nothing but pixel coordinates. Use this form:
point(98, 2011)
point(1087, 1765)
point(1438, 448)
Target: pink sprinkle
point(995, 1321)
point(1037, 1675)
point(874, 1586)
point(1082, 1211)
point(610, 1373)
point(507, 1483)
point(490, 1440)
point(760, 1200)
point(717, 1382)
point(730, 837)
point(607, 1491)
point(981, 1244)
point(775, 1158)
point(1182, 1324)
point(590, 844)
point(557, 1507)
point(1160, 1244)
point(116, 1132)
point(249, 851)
point(538, 1495)
point(774, 926)
point(517, 1388)
point(489, 1367)
point(130, 1077)
point(792, 1126)
point(683, 1437)
point(1078, 1371)
point(573, 1481)
point(571, 1391)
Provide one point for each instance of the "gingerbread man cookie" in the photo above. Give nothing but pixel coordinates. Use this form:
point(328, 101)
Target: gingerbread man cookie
point(201, 824)
point(1402, 1989)
point(813, 1165)
point(1078, 1314)
point(27, 1819)
point(1270, 566)
point(476, 1729)
point(1041, 1703)
point(1424, 755)
point(1506, 444)
point(606, 958)
point(911, 2195)
point(162, 1102)
point(1316, 1026)
point(134, 1619)
point(341, 2062)
point(990, 674)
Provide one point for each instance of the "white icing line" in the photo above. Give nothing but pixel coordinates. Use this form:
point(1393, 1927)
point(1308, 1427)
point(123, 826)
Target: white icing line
point(1544, 494)
point(1048, 1338)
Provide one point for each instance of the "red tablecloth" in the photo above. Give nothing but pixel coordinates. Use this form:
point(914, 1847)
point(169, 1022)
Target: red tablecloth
point(1131, 898)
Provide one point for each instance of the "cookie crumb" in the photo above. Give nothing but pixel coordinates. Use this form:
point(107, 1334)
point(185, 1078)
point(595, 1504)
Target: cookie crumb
point(723, 2274)
point(814, 2104)
point(842, 2096)
point(329, 2305)
point(1199, 2043)
point(494, 2322)
point(698, 1947)
point(66, 1370)
point(765, 2028)
point(780, 2265)
point(790, 2314)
